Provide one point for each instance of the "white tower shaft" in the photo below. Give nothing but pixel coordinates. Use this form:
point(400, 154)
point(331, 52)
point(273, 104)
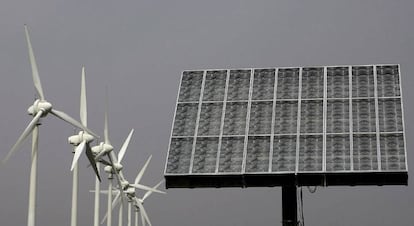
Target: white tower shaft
point(121, 209)
point(31, 216)
point(109, 216)
point(74, 211)
point(96, 207)
point(129, 213)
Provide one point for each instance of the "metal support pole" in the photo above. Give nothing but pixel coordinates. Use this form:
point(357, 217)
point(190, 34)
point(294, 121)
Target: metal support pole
point(97, 193)
point(109, 216)
point(120, 214)
point(289, 205)
point(74, 211)
point(31, 216)
point(136, 218)
point(129, 213)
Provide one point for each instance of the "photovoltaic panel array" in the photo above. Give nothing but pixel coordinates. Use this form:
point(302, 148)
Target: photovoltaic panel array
point(331, 125)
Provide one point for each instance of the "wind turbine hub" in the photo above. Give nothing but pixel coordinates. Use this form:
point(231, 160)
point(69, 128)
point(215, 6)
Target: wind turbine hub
point(107, 147)
point(118, 167)
point(97, 149)
point(40, 105)
point(82, 136)
point(124, 184)
point(86, 136)
point(130, 191)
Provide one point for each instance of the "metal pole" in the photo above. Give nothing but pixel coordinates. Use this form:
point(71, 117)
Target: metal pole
point(109, 216)
point(136, 218)
point(289, 206)
point(97, 193)
point(129, 213)
point(74, 211)
point(121, 209)
point(31, 216)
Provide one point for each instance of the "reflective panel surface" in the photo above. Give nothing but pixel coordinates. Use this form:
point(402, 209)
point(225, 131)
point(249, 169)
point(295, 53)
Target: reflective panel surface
point(330, 120)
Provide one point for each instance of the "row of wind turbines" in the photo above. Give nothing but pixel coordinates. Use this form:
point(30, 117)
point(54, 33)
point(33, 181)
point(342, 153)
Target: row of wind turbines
point(119, 192)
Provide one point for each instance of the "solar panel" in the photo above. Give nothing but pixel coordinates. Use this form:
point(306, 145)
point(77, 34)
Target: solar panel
point(330, 125)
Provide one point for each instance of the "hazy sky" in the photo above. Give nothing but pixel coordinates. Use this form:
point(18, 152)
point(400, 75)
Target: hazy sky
point(138, 49)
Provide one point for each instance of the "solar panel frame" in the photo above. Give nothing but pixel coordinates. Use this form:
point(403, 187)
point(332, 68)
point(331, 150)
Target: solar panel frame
point(348, 95)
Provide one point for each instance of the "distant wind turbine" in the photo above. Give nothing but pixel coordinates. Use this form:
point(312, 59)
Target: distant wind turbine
point(38, 110)
point(81, 141)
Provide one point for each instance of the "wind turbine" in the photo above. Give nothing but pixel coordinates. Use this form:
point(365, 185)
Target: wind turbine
point(129, 190)
point(38, 110)
point(139, 204)
point(111, 168)
point(126, 187)
point(81, 141)
point(132, 200)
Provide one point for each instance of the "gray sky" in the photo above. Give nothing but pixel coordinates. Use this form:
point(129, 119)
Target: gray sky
point(138, 49)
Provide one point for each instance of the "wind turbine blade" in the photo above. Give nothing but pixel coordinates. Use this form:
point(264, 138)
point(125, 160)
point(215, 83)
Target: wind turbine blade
point(124, 146)
point(35, 72)
point(142, 218)
point(24, 135)
point(116, 200)
point(103, 161)
point(106, 130)
point(78, 152)
point(104, 192)
point(91, 159)
point(104, 218)
point(143, 187)
point(112, 206)
point(100, 192)
point(65, 117)
point(98, 157)
point(148, 193)
point(143, 212)
point(141, 173)
point(83, 106)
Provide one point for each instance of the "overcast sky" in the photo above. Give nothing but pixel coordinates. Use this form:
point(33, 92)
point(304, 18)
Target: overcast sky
point(138, 49)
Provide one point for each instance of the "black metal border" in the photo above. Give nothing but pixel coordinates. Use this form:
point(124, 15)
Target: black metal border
point(277, 180)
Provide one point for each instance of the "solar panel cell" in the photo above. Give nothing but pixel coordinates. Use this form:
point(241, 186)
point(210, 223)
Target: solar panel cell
point(263, 85)
point(231, 154)
point(205, 155)
point(215, 85)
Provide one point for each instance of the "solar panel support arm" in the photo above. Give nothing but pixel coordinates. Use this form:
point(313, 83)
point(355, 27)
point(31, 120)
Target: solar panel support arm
point(289, 205)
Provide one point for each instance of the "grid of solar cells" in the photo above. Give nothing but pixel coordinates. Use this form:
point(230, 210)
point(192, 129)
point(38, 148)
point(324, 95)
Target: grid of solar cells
point(288, 120)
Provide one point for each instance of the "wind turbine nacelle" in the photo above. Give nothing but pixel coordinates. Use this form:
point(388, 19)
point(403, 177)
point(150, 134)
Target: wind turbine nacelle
point(130, 191)
point(96, 149)
point(102, 147)
point(107, 148)
point(82, 136)
point(124, 184)
point(118, 167)
point(40, 105)
point(108, 169)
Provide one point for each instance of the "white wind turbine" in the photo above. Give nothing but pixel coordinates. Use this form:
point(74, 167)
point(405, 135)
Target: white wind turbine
point(139, 205)
point(129, 190)
point(82, 142)
point(104, 148)
point(112, 167)
point(132, 200)
point(125, 186)
point(39, 109)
